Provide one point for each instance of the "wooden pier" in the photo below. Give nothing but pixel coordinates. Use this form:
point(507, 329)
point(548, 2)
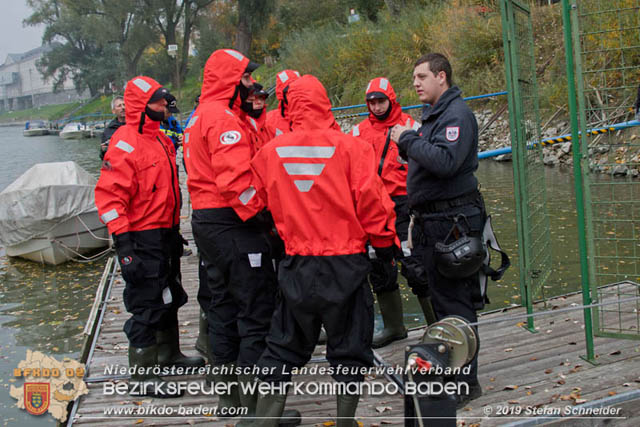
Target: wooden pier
point(523, 374)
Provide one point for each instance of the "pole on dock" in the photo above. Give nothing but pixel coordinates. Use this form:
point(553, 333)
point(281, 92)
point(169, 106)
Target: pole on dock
point(567, 10)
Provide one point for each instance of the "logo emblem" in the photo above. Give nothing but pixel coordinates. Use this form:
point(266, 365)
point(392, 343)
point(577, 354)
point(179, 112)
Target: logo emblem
point(230, 137)
point(452, 133)
point(36, 398)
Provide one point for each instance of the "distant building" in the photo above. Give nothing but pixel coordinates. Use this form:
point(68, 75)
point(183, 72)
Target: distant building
point(22, 86)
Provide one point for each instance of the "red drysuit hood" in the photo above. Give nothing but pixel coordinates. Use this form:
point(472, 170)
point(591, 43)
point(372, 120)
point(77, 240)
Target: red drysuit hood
point(382, 85)
point(222, 73)
point(284, 79)
point(136, 96)
point(309, 106)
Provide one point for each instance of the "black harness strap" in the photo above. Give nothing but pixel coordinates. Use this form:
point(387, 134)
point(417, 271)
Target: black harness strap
point(384, 151)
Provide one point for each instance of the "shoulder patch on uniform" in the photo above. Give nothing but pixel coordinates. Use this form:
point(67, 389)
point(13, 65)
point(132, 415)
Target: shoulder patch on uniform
point(230, 137)
point(124, 146)
point(452, 133)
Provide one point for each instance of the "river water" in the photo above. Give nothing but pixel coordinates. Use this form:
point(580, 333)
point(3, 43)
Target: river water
point(44, 308)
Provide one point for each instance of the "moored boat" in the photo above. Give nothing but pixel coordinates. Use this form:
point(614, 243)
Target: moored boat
point(37, 128)
point(48, 214)
point(74, 130)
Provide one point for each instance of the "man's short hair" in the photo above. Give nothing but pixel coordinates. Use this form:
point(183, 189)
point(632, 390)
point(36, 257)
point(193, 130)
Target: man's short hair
point(437, 62)
point(113, 101)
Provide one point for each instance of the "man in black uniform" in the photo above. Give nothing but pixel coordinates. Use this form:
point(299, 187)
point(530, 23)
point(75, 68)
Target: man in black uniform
point(117, 108)
point(443, 156)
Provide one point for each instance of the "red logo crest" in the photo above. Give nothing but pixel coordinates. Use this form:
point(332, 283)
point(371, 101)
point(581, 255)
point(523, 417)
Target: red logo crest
point(36, 398)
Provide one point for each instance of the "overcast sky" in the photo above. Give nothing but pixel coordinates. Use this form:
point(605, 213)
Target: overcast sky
point(14, 38)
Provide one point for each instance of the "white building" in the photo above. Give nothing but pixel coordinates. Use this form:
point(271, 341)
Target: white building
point(22, 86)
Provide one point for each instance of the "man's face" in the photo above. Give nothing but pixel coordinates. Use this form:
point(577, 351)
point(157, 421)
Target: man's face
point(246, 80)
point(160, 106)
point(118, 109)
point(429, 86)
point(378, 106)
point(258, 102)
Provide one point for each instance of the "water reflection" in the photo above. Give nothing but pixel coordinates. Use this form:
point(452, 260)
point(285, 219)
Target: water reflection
point(42, 308)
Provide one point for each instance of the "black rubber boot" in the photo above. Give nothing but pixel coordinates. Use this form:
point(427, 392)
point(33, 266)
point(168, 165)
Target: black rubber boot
point(247, 400)
point(232, 398)
point(169, 353)
point(289, 417)
point(391, 310)
point(146, 383)
point(427, 310)
point(347, 405)
point(202, 343)
point(270, 410)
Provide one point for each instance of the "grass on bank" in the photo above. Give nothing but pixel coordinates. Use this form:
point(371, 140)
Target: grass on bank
point(47, 112)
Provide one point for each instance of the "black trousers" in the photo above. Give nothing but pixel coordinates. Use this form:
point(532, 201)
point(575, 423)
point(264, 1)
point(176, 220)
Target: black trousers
point(154, 299)
point(204, 293)
point(242, 284)
point(315, 291)
point(450, 296)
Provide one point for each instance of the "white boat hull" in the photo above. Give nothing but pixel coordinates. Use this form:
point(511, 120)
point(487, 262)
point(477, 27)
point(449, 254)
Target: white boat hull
point(35, 132)
point(76, 134)
point(64, 241)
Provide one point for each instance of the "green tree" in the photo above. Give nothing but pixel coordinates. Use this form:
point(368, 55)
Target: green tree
point(166, 16)
point(125, 23)
point(78, 54)
point(253, 15)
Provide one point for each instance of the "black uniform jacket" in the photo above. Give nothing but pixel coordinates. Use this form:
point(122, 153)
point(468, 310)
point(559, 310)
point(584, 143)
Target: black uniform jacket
point(443, 153)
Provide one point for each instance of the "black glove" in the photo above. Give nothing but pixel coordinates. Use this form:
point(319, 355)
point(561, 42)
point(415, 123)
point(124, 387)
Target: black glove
point(130, 264)
point(384, 272)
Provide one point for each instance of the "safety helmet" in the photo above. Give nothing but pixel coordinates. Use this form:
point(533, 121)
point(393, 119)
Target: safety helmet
point(462, 257)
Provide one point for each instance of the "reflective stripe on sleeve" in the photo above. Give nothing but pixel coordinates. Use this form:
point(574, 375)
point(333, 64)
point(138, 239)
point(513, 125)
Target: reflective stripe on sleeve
point(356, 130)
point(247, 195)
point(109, 216)
point(124, 146)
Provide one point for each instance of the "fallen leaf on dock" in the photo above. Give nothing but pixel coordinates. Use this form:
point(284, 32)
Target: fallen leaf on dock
point(548, 371)
point(381, 409)
point(507, 350)
point(510, 387)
